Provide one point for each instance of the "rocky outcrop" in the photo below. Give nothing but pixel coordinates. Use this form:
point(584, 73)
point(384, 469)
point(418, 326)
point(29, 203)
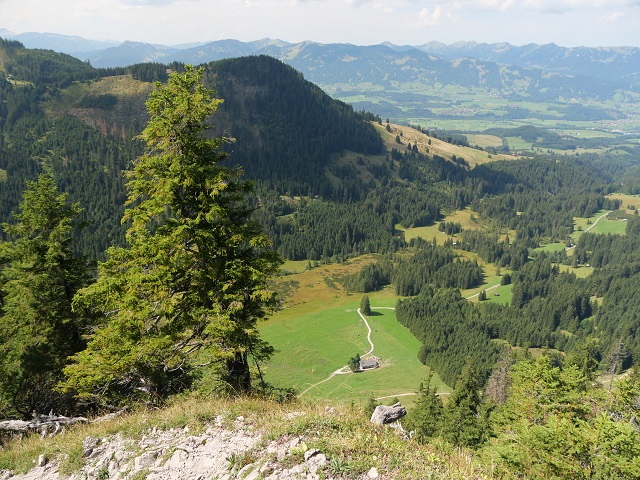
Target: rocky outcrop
point(221, 452)
point(384, 415)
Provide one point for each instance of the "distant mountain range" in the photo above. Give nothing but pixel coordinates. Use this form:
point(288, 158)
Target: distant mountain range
point(537, 71)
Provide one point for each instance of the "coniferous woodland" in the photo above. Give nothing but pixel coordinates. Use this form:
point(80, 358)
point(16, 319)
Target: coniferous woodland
point(117, 288)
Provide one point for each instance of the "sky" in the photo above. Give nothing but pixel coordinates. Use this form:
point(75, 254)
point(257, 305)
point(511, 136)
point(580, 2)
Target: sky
point(567, 23)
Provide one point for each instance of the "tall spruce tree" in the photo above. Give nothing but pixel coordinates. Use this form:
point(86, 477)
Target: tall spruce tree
point(464, 420)
point(189, 289)
point(424, 419)
point(40, 276)
point(365, 305)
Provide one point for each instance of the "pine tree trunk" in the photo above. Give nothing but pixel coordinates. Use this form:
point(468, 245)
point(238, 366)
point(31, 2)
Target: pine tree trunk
point(239, 375)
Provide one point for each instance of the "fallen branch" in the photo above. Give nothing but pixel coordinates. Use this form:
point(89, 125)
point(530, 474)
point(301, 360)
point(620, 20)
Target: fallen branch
point(44, 424)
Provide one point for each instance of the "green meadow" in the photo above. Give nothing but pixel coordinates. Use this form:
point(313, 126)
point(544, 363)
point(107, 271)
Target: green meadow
point(614, 227)
point(312, 346)
point(551, 247)
point(500, 295)
point(602, 226)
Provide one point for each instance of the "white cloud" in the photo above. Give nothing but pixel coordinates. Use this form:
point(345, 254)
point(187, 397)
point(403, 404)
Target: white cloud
point(567, 6)
point(149, 2)
point(427, 18)
point(613, 17)
point(484, 5)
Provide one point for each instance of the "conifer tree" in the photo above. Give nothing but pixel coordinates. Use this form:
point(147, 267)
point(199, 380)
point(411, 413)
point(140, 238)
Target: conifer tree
point(40, 275)
point(464, 421)
point(365, 305)
point(191, 286)
point(425, 417)
point(554, 424)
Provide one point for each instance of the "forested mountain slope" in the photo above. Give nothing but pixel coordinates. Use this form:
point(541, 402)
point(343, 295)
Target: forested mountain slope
point(60, 115)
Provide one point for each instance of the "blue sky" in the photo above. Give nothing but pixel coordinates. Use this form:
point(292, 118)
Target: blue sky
point(361, 22)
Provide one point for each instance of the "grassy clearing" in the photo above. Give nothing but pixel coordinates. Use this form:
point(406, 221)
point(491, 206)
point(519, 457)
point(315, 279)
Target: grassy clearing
point(318, 288)
point(614, 227)
point(517, 143)
point(582, 224)
point(551, 247)
point(483, 140)
point(501, 295)
point(626, 200)
point(436, 147)
point(294, 266)
point(131, 95)
point(400, 373)
point(467, 218)
point(312, 346)
point(580, 272)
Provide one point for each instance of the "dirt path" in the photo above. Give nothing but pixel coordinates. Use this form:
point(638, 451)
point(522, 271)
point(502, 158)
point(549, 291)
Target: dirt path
point(368, 334)
point(597, 220)
point(486, 290)
point(345, 369)
point(592, 225)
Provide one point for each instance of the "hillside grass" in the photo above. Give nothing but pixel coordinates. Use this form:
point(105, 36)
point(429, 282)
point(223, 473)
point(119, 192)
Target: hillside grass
point(467, 218)
point(626, 200)
point(551, 247)
point(131, 94)
point(501, 295)
point(318, 328)
point(603, 226)
point(614, 227)
point(484, 140)
point(437, 147)
point(343, 433)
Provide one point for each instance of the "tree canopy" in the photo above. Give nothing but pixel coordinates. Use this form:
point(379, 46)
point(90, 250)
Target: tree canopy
point(40, 275)
point(189, 289)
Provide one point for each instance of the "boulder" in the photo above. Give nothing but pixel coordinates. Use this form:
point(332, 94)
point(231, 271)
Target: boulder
point(383, 415)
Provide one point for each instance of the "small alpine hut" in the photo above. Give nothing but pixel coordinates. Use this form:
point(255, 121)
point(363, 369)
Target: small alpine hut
point(369, 363)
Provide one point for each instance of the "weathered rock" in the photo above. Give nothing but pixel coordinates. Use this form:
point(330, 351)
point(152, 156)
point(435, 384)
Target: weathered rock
point(42, 461)
point(145, 460)
point(383, 415)
point(315, 457)
point(88, 445)
point(373, 473)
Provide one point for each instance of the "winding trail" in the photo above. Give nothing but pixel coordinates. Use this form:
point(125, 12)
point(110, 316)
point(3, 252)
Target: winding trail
point(592, 225)
point(368, 333)
point(597, 220)
point(345, 369)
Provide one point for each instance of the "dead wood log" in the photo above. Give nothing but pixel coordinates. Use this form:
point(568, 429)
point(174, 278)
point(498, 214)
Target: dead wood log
point(44, 424)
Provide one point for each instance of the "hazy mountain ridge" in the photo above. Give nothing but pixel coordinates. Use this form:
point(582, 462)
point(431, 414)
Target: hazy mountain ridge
point(597, 62)
point(71, 44)
point(331, 64)
point(530, 69)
